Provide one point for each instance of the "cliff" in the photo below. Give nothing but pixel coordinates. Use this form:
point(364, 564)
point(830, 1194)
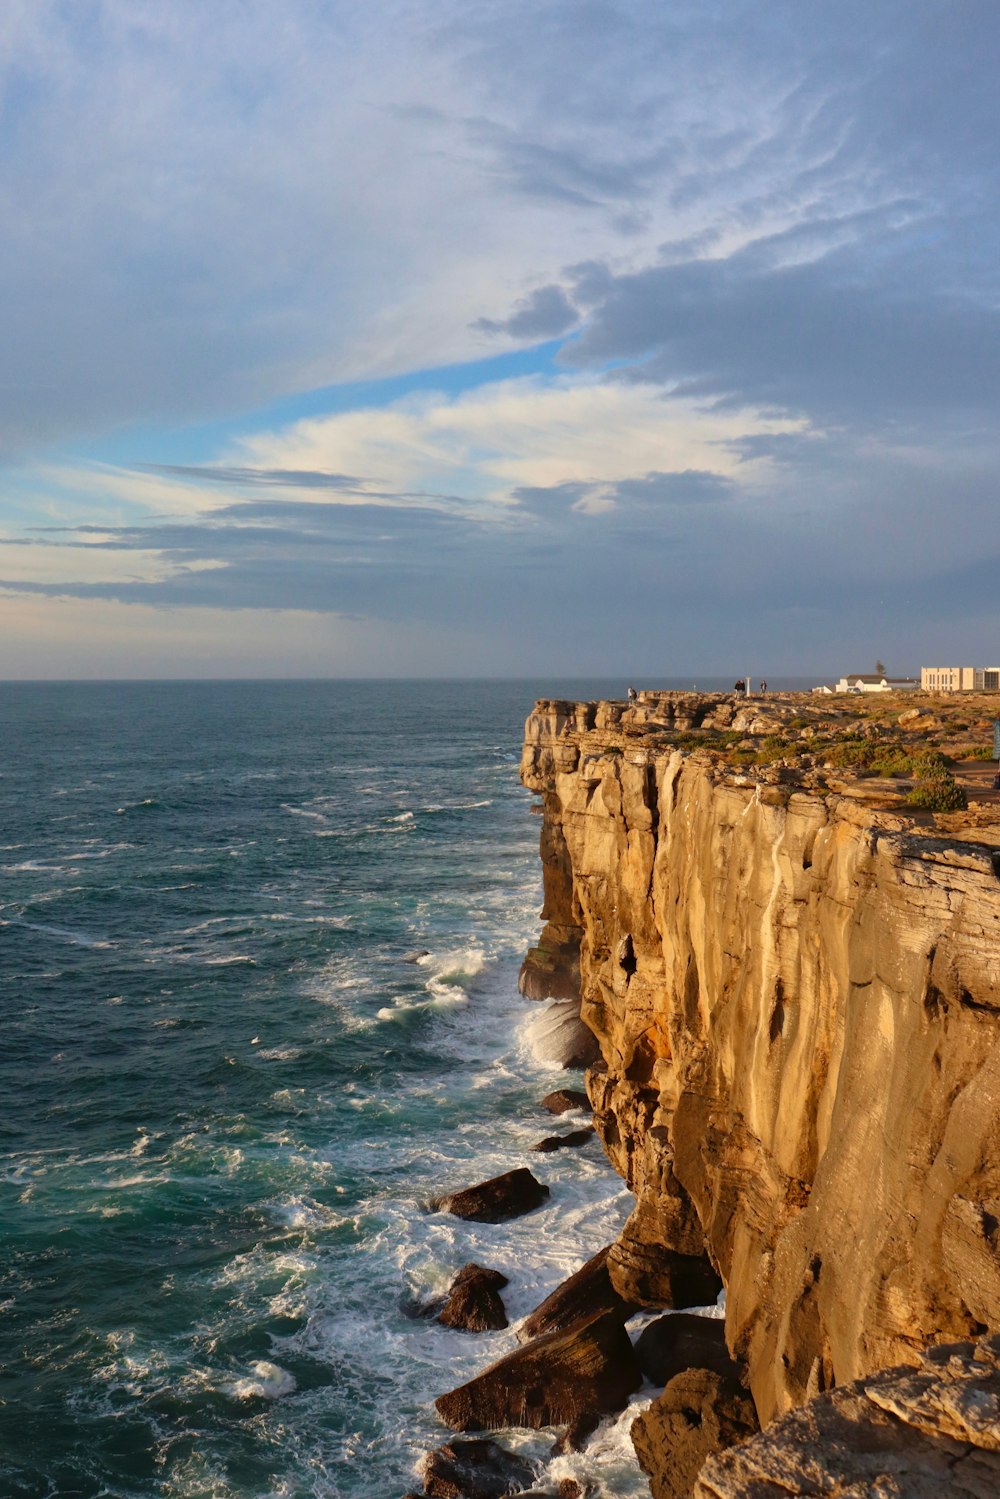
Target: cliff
point(794, 980)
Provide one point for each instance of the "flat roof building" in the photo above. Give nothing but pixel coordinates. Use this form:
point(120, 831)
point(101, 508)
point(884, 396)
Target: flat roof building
point(960, 678)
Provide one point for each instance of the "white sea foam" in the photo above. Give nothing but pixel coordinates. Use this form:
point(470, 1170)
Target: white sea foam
point(303, 812)
point(265, 1380)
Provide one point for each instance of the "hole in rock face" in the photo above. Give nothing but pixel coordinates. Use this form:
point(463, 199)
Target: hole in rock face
point(815, 1266)
point(626, 956)
point(778, 1013)
point(934, 1002)
point(692, 1417)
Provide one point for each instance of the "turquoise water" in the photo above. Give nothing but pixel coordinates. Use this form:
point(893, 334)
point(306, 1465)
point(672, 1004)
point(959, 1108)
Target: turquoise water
point(227, 1092)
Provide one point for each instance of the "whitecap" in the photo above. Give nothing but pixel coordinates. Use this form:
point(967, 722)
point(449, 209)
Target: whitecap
point(266, 1380)
point(280, 1053)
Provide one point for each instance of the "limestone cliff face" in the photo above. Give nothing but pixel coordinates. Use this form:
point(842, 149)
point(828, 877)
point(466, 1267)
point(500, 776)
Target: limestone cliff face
point(797, 1001)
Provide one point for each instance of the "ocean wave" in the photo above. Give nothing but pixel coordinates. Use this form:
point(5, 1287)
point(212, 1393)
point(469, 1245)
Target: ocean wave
point(303, 812)
point(63, 934)
point(265, 1381)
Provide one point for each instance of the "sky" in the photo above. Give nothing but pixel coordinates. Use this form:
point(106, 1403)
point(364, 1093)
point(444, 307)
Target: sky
point(498, 337)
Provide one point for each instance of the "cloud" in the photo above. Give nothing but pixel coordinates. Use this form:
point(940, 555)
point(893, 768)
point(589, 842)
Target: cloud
point(768, 243)
point(545, 314)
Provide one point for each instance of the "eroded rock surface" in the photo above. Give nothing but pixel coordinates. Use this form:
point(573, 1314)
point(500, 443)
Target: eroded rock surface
point(700, 1413)
point(795, 985)
point(902, 1434)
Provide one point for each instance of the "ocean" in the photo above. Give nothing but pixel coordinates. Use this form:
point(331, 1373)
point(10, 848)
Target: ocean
point(228, 1087)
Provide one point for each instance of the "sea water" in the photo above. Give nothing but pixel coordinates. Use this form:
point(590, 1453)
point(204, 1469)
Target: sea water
point(258, 948)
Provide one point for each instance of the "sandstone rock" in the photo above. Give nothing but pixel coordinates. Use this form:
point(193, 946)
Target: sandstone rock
point(551, 1381)
point(700, 1412)
point(558, 1035)
point(573, 1138)
point(476, 1468)
point(474, 1303)
point(672, 1344)
point(900, 1434)
point(564, 1099)
point(794, 993)
point(652, 1275)
point(509, 1195)
point(586, 1292)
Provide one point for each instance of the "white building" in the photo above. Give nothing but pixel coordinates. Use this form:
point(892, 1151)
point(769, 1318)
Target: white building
point(960, 678)
point(863, 682)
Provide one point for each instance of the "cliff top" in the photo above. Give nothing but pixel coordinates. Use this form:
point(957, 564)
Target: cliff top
point(926, 758)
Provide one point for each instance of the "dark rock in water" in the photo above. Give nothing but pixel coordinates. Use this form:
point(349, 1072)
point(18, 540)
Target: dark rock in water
point(495, 1201)
point(564, 1099)
point(654, 1276)
point(549, 1382)
point(562, 1142)
point(586, 1292)
point(415, 955)
point(682, 1341)
point(486, 1276)
point(558, 1035)
point(475, 1469)
point(474, 1303)
point(699, 1413)
point(574, 1438)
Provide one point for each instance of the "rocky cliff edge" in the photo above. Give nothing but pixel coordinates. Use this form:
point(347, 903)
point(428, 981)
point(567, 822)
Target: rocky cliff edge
point(793, 975)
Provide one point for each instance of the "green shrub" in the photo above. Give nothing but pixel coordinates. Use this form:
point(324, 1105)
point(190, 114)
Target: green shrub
point(942, 794)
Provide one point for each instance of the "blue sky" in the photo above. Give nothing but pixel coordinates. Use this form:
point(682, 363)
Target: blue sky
point(496, 338)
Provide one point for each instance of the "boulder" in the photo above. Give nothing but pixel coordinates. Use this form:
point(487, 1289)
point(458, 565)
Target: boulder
point(682, 1341)
point(474, 1303)
point(904, 1433)
point(559, 1036)
point(476, 1468)
point(586, 1292)
point(564, 1099)
point(699, 1413)
point(509, 1195)
point(550, 1382)
point(563, 1142)
point(654, 1276)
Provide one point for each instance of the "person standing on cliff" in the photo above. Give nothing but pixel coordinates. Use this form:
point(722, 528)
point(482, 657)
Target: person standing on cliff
point(632, 695)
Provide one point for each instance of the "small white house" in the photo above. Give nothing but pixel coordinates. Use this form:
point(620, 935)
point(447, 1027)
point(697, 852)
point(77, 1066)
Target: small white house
point(863, 682)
